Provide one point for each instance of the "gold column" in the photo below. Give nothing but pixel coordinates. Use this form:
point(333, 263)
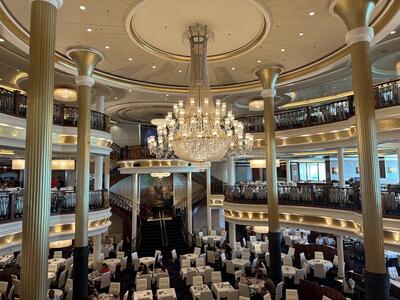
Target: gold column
point(85, 59)
point(356, 15)
point(35, 223)
point(268, 76)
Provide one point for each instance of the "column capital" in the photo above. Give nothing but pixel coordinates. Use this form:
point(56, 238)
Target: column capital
point(354, 13)
point(85, 59)
point(56, 3)
point(268, 75)
point(84, 80)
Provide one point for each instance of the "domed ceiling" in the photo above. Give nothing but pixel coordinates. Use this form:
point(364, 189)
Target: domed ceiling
point(142, 39)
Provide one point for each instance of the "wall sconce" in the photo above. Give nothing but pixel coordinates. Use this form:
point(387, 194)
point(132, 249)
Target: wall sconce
point(392, 170)
point(334, 170)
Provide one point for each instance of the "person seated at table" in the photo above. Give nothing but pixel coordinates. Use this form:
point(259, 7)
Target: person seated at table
point(93, 294)
point(157, 264)
point(269, 287)
point(303, 239)
point(163, 269)
point(319, 240)
point(259, 273)
point(104, 268)
point(52, 295)
point(348, 286)
point(143, 268)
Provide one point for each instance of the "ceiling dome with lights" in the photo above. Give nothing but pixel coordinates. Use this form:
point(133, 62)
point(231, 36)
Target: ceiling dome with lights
point(140, 38)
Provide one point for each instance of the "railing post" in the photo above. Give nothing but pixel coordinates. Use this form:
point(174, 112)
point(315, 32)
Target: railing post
point(11, 207)
point(16, 103)
point(62, 108)
point(308, 117)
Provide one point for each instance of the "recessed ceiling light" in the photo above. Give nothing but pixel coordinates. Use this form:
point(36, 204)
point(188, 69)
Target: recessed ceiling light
point(130, 91)
point(301, 34)
point(153, 66)
point(165, 99)
point(2, 40)
point(233, 68)
point(116, 98)
point(283, 50)
point(258, 61)
point(130, 58)
point(311, 13)
point(107, 47)
point(167, 95)
point(393, 32)
point(89, 29)
point(180, 71)
point(82, 7)
point(17, 70)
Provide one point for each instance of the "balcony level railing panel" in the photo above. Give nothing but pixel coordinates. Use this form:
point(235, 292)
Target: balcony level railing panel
point(62, 202)
point(386, 95)
point(313, 196)
point(15, 104)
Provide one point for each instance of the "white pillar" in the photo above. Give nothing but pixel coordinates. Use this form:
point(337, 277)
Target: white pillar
point(135, 201)
point(398, 163)
point(189, 202)
point(107, 173)
point(221, 218)
point(100, 104)
point(98, 172)
point(230, 170)
point(340, 253)
point(96, 248)
point(288, 173)
point(341, 167)
point(232, 234)
point(208, 188)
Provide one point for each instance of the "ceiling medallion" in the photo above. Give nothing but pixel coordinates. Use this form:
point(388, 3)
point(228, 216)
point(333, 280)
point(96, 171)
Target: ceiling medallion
point(201, 132)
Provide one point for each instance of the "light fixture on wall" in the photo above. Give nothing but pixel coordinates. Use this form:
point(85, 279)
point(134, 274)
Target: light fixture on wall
point(56, 164)
point(60, 244)
point(261, 229)
point(334, 170)
point(160, 175)
point(256, 105)
point(392, 170)
point(65, 94)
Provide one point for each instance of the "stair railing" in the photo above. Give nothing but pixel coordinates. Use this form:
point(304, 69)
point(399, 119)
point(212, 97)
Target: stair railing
point(165, 229)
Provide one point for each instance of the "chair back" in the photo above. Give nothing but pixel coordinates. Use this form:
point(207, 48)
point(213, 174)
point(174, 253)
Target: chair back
point(206, 295)
point(279, 291)
point(233, 295)
point(197, 280)
point(18, 260)
point(105, 280)
point(197, 250)
point(10, 295)
point(335, 260)
point(245, 254)
point(120, 254)
point(3, 287)
point(392, 271)
point(288, 261)
point(300, 274)
point(244, 298)
point(57, 254)
point(163, 283)
point(134, 255)
point(207, 276)
point(61, 279)
point(229, 267)
point(141, 284)
point(291, 294)
point(174, 255)
point(216, 276)
point(223, 258)
point(189, 277)
point(291, 251)
point(136, 264)
point(126, 296)
point(267, 260)
point(68, 284)
point(267, 297)
point(319, 270)
point(264, 248)
point(157, 254)
point(253, 238)
point(238, 274)
point(210, 257)
point(244, 290)
point(319, 255)
point(166, 297)
point(69, 294)
point(53, 268)
point(124, 262)
point(185, 263)
point(213, 232)
point(115, 288)
point(200, 261)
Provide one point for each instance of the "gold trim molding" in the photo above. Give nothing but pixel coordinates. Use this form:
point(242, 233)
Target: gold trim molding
point(152, 163)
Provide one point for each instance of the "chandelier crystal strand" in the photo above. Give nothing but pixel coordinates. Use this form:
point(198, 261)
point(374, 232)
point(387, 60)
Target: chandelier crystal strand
point(199, 132)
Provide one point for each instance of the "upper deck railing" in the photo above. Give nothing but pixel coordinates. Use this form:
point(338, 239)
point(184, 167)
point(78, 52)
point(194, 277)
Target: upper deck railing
point(15, 104)
point(386, 95)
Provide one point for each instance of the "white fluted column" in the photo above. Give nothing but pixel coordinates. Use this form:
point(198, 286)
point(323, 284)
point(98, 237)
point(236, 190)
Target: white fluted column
point(189, 202)
point(39, 122)
point(98, 172)
point(208, 189)
point(106, 183)
point(340, 253)
point(288, 173)
point(135, 201)
point(96, 248)
point(398, 163)
point(230, 170)
point(232, 235)
point(342, 181)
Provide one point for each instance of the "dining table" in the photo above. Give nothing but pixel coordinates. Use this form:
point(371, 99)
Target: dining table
point(170, 292)
point(288, 271)
point(221, 289)
point(143, 295)
point(147, 260)
point(196, 290)
point(327, 264)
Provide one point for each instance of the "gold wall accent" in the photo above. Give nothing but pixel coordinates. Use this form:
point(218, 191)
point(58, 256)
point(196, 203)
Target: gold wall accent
point(152, 163)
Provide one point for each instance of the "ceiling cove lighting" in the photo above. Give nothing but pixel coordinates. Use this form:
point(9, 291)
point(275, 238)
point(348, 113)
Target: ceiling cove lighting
point(65, 94)
point(261, 164)
point(160, 175)
point(56, 164)
point(256, 105)
point(82, 7)
point(201, 131)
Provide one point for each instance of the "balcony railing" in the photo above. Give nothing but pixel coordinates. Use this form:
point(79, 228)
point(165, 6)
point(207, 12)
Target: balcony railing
point(62, 202)
point(313, 196)
point(386, 95)
point(15, 104)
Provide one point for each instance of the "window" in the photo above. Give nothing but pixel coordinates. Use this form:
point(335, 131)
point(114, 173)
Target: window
point(312, 171)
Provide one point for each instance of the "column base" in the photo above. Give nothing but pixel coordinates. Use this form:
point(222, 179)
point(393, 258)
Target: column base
point(80, 283)
point(377, 286)
point(275, 261)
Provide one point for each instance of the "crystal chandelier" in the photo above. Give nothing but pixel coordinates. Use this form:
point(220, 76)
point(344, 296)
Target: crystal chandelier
point(201, 132)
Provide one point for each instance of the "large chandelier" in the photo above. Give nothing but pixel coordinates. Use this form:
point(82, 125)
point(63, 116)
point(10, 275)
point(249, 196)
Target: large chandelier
point(199, 131)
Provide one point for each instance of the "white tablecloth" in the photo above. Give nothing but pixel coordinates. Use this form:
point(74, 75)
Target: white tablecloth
point(240, 263)
point(147, 260)
point(215, 238)
point(112, 261)
point(57, 261)
point(143, 295)
point(166, 292)
point(6, 259)
point(185, 270)
point(202, 270)
point(288, 271)
point(191, 256)
point(197, 289)
point(327, 264)
point(221, 289)
point(57, 292)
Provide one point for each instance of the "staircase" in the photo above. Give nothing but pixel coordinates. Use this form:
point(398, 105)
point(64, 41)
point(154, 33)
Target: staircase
point(151, 239)
point(175, 237)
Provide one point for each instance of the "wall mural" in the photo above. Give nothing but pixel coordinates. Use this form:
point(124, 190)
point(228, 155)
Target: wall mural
point(156, 193)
